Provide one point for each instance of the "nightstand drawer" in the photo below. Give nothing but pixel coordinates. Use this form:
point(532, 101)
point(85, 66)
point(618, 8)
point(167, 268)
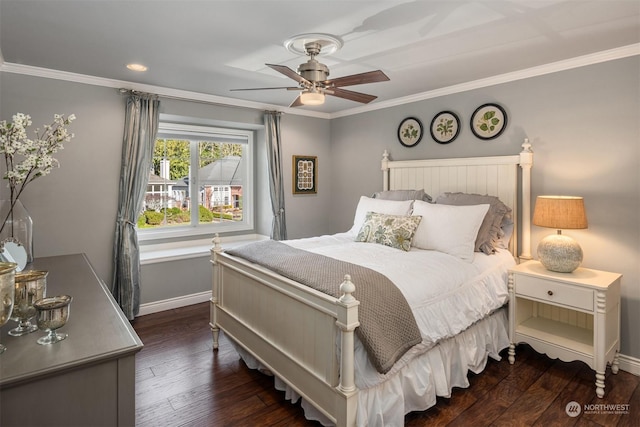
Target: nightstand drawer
point(554, 292)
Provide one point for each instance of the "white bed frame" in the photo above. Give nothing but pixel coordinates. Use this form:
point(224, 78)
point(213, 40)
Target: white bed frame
point(292, 329)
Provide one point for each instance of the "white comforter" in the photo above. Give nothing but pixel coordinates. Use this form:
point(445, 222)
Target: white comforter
point(445, 293)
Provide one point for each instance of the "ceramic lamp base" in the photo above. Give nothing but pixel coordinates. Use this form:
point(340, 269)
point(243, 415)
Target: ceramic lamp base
point(559, 253)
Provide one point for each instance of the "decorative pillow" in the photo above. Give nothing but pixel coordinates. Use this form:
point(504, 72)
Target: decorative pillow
point(506, 231)
point(447, 228)
point(402, 195)
point(389, 230)
point(389, 207)
point(489, 232)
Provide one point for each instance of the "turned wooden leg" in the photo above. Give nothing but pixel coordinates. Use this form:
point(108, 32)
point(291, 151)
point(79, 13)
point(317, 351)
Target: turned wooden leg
point(615, 365)
point(216, 333)
point(600, 384)
point(512, 353)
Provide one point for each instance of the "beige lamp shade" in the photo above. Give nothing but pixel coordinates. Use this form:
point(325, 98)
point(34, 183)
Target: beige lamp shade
point(560, 212)
point(558, 252)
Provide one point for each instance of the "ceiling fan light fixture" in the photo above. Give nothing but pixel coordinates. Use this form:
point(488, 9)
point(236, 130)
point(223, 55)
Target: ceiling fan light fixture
point(312, 98)
point(313, 77)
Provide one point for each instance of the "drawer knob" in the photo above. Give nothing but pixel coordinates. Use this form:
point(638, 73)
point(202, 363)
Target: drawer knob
point(550, 293)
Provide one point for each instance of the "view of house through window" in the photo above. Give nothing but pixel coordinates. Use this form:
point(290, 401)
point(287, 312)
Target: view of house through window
point(197, 178)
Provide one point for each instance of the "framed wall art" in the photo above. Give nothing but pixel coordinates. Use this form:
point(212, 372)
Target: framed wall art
point(410, 132)
point(305, 174)
point(488, 121)
point(445, 127)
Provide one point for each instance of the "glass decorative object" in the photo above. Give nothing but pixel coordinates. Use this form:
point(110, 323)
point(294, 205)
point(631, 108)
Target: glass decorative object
point(7, 293)
point(17, 227)
point(53, 313)
point(30, 287)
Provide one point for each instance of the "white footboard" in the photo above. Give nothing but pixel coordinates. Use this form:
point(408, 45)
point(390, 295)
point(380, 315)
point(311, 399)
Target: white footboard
point(291, 329)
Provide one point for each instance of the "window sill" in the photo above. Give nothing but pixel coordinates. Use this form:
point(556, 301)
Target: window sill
point(163, 252)
point(148, 236)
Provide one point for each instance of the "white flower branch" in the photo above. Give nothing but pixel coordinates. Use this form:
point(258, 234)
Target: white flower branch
point(27, 159)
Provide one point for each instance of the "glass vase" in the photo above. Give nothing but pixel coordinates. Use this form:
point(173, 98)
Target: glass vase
point(17, 226)
point(7, 293)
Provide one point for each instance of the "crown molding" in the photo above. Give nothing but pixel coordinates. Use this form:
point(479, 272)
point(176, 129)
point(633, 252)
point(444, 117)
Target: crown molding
point(554, 67)
point(179, 94)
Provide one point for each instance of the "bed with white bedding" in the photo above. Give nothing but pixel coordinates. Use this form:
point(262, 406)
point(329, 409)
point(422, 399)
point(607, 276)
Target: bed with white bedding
point(457, 297)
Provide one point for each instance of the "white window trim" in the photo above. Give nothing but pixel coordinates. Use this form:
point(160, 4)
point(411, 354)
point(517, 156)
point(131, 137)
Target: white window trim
point(197, 131)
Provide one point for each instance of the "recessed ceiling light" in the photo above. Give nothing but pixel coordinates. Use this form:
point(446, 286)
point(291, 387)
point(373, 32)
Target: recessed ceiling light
point(137, 67)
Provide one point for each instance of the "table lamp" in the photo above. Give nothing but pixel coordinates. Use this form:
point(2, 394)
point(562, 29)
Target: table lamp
point(558, 252)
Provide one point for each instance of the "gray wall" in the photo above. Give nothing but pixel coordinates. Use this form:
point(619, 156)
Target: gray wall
point(73, 208)
point(584, 127)
point(307, 214)
point(583, 124)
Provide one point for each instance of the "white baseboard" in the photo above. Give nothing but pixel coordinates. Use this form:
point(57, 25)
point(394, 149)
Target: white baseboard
point(627, 363)
point(168, 304)
point(630, 364)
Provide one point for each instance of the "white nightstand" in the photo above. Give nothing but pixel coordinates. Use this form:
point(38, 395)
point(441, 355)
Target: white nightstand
point(570, 316)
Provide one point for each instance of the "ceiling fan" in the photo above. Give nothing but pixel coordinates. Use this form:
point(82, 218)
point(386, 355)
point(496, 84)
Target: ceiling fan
point(314, 85)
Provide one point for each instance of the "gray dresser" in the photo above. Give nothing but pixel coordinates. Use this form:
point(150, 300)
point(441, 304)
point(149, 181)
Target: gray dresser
point(86, 380)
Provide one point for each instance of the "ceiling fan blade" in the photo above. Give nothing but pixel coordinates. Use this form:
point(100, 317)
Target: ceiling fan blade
point(267, 88)
point(289, 73)
point(296, 102)
point(358, 79)
point(351, 95)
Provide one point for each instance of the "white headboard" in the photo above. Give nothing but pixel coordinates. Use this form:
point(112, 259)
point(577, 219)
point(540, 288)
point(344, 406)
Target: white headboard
point(495, 176)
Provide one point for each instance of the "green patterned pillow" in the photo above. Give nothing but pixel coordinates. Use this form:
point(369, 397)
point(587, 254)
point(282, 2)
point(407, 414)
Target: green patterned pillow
point(389, 230)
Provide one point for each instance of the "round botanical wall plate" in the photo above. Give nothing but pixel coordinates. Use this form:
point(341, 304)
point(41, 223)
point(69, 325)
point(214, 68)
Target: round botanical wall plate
point(410, 132)
point(488, 121)
point(445, 127)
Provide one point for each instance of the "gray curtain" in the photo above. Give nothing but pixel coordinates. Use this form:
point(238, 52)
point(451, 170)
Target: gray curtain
point(276, 187)
point(140, 129)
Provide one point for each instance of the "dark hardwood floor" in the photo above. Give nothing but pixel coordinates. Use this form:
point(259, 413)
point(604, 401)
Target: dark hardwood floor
point(180, 381)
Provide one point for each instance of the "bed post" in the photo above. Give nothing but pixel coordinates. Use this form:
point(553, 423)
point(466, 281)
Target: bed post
point(385, 170)
point(526, 161)
point(347, 321)
point(213, 324)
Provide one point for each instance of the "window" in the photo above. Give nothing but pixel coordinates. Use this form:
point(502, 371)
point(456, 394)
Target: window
point(199, 182)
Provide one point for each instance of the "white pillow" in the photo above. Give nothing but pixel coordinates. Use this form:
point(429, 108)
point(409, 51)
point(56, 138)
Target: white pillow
point(448, 228)
point(389, 207)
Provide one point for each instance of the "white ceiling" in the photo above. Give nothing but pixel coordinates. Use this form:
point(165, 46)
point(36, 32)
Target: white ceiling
point(210, 47)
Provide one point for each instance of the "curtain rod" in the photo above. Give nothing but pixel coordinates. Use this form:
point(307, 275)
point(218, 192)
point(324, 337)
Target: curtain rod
point(125, 91)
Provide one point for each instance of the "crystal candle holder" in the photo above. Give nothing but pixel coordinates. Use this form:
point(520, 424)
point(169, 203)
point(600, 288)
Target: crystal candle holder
point(53, 313)
point(30, 287)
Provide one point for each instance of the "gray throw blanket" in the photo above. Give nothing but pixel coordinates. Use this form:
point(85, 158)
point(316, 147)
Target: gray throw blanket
point(387, 326)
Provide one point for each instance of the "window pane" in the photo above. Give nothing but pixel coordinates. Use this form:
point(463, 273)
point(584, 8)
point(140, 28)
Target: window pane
point(166, 201)
point(220, 179)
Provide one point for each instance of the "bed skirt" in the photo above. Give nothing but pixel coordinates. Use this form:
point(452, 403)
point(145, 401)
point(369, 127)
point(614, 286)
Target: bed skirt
point(418, 378)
